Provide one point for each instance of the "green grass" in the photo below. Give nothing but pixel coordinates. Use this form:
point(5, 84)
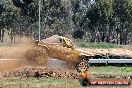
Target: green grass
point(85, 44)
point(110, 69)
point(39, 83)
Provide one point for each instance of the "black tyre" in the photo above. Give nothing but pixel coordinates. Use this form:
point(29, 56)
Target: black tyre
point(84, 82)
point(82, 63)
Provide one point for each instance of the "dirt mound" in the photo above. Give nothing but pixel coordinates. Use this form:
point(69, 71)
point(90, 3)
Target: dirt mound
point(37, 72)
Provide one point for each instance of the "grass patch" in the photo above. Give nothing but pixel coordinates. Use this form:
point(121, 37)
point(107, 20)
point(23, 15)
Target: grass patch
point(85, 44)
point(39, 83)
point(110, 69)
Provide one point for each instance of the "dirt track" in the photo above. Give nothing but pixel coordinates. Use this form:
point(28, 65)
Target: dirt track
point(18, 51)
point(57, 69)
point(53, 68)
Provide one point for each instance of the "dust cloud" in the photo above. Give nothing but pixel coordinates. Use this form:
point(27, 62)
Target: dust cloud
point(18, 50)
point(13, 56)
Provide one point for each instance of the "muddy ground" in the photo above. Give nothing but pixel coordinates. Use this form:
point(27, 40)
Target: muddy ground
point(13, 64)
point(42, 77)
point(12, 57)
point(31, 71)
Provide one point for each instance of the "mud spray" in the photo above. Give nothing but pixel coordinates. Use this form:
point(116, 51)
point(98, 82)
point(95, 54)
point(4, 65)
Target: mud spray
point(13, 57)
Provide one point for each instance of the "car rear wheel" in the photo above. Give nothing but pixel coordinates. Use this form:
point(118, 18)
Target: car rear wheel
point(37, 55)
point(82, 63)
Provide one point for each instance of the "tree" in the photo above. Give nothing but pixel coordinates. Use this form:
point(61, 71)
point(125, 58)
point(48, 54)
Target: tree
point(123, 12)
point(22, 3)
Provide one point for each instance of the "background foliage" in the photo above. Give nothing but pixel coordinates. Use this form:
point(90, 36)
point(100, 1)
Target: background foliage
point(91, 20)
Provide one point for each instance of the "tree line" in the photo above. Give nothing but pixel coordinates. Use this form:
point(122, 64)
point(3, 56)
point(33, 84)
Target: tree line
point(91, 20)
